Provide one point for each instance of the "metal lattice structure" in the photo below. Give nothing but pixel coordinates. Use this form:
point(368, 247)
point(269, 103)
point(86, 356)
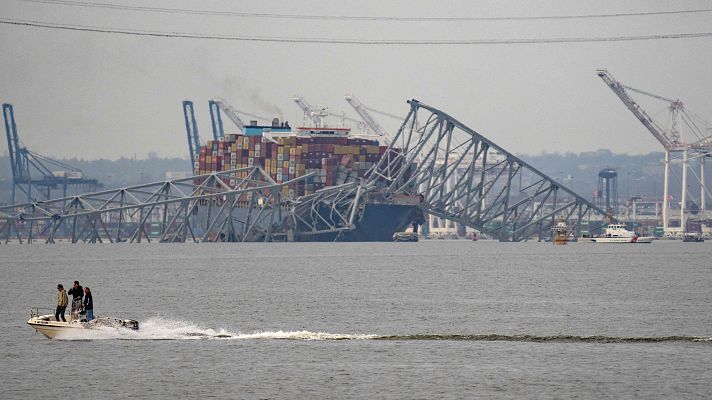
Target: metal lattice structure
point(465, 177)
point(456, 173)
point(696, 143)
point(332, 210)
point(238, 205)
point(36, 175)
point(191, 128)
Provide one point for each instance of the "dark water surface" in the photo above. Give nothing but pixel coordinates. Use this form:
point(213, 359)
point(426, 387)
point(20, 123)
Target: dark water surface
point(439, 319)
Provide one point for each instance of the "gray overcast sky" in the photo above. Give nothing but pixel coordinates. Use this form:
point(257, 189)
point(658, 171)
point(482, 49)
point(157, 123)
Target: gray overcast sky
point(97, 95)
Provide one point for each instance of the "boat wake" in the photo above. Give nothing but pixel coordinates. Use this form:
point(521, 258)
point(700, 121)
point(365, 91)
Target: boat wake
point(158, 328)
point(553, 339)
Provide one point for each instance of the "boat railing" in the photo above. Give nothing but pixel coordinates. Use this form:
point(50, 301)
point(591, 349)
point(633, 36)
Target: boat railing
point(39, 311)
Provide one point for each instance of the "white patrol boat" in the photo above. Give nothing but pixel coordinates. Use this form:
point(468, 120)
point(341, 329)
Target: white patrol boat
point(617, 233)
point(47, 325)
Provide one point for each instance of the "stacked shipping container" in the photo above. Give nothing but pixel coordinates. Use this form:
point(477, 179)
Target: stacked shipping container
point(334, 160)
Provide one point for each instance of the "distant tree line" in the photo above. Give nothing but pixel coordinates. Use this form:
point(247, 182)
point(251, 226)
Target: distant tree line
point(638, 175)
point(111, 173)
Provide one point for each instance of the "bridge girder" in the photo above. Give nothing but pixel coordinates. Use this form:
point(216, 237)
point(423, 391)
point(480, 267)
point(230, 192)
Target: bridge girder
point(460, 175)
point(236, 200)
point(464, 177)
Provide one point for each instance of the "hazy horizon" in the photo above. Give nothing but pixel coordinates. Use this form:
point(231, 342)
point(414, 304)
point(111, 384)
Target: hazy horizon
point(98, 95)
point(159, 156)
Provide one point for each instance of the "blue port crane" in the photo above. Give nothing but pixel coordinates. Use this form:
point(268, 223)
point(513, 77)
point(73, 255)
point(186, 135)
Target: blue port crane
point(217, 107)
point(191, 128)
point(216, 119)
point(32, 170)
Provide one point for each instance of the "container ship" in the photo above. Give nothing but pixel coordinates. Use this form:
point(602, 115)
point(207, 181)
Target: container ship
point(331, 155)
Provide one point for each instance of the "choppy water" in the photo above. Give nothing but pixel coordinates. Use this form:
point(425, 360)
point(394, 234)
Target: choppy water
point(410, 320)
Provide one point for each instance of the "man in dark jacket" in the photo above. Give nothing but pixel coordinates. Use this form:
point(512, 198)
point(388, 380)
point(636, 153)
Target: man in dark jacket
point(88, 304)
point(77, 293)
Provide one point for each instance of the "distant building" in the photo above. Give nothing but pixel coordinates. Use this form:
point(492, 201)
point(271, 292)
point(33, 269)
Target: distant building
point(640, 209)
point(171, 175)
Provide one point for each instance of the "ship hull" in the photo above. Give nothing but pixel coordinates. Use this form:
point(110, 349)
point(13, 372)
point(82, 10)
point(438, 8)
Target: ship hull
point(378, 224)
point(51, 328)
point(645, 239)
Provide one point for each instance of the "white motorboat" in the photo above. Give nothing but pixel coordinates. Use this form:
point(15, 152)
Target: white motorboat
point(617, 233)
point(47, 325)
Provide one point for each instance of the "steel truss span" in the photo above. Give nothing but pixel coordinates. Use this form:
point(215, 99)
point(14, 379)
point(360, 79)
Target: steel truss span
point(455, 173)
point(465, 177)
point(240, 205)
point(171, 207)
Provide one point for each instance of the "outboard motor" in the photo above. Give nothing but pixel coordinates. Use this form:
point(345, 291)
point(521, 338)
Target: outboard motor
point(129, 324)
point(116, 323)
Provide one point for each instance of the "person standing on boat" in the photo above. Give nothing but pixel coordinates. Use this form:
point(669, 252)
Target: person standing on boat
point(62, 301)
point(77, 293)
point(88, 304)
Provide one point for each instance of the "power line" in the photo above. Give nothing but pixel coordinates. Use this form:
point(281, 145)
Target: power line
point(187, 35)
point(359, 18)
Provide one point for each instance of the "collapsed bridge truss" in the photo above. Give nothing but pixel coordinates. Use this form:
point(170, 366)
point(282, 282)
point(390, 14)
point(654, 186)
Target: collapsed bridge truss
point(458, 174)
point(235, 205)
point(465, 177)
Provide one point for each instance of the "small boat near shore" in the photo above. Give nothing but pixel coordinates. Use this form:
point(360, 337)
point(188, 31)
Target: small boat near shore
point(617, 233)
point(405, 237)
point(47, 325)
point(560, 232)
point(693, 237)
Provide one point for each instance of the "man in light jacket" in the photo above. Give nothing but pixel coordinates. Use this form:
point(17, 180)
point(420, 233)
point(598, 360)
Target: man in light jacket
point(62, 301)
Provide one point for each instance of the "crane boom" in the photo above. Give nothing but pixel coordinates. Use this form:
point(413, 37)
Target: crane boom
point(309, 111)
point(216, 120)
point(363, 113)
point(27, 165)
point(317, 115)
point(191, 128)
point(654, 128)
point(656, 96)
point(13, 143)
point(231, 113)
point(345, 118)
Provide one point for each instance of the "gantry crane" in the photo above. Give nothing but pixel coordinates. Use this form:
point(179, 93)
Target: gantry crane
point(32, 170)
point(191, 128)
point(361, 110)
point(216, 119)
point(218, 104)
point(670, 138)
point(316, 115)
